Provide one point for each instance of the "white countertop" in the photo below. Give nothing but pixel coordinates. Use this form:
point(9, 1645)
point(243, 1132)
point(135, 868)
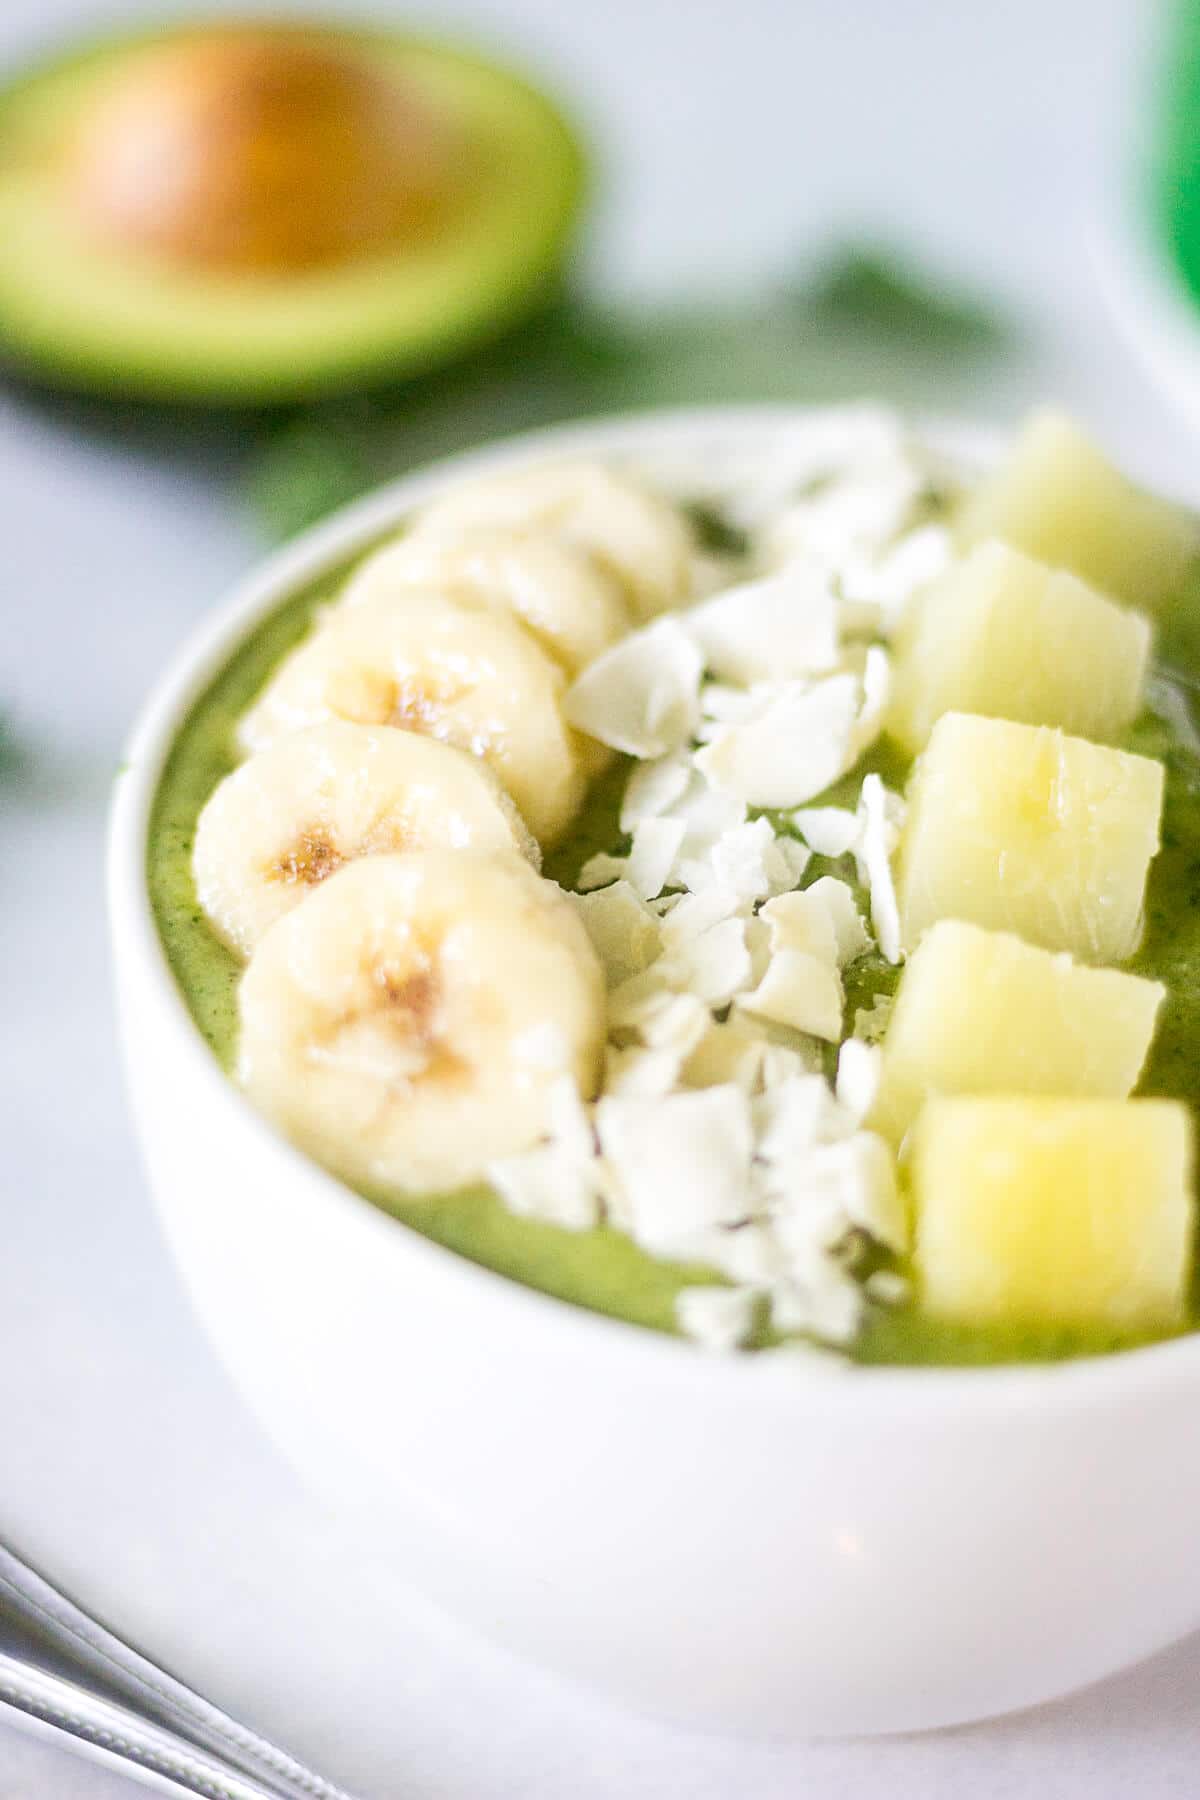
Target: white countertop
point(976, 136)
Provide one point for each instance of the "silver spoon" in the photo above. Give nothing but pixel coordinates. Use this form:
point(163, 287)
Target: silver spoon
point(71, 1677)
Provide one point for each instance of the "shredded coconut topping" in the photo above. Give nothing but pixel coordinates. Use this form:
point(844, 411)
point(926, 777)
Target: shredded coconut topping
point(732, 1129)
point(643, 695)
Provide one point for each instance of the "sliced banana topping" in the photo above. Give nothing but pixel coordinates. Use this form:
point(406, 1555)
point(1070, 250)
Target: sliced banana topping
point(573, 609)
point(429, 663)
point(409, 1023)
point(294, 814)
point(630, 533)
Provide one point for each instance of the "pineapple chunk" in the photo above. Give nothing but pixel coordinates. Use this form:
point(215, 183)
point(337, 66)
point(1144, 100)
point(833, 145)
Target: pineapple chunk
point(1057, 498)
point(1004, 635)
point(980, 1012)
point(1018, 828)
point(1053, 1212)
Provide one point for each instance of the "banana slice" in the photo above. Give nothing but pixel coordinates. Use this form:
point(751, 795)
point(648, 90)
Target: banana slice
point(429, 663)
point(408, 1023)
point(572, 608)
point(287, 819)
point(628, 532)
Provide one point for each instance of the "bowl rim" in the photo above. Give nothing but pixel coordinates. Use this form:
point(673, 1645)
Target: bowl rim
point(802, 1374)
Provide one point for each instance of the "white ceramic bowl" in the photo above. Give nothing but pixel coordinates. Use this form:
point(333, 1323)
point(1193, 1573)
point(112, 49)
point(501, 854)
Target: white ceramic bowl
point(760, 1544)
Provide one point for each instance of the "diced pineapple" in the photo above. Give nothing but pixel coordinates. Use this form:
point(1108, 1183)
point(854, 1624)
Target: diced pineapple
point(1053, 1212)
point(981, 1012)
point(1004, 635)
point(1018, 828)
point(1059, 499)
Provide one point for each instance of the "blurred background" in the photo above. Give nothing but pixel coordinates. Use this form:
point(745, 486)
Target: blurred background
point(960, 208)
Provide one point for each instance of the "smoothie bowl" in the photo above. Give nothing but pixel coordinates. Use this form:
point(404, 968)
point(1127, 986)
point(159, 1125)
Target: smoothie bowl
point(659, 966)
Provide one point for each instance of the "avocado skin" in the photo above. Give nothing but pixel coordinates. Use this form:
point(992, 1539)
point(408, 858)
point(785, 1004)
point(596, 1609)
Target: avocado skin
point(170, 372)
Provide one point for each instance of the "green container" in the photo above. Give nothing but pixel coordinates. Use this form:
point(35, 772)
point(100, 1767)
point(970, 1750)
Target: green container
point(1175, 169)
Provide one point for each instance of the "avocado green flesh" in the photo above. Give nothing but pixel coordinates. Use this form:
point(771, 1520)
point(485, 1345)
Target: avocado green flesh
point(602, 1269)
point(112, 322)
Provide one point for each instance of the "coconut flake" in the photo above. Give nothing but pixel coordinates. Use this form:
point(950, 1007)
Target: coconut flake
point(802, 922)
point(829, 1307)
point(822, 920)
point(799, 990)
point(555, 1181)
point(782, 1063)
point(739, 859)
point(859, 1176)
point(795, 745)
point(638, 998)
point(656, 845)
point(748, 1254)
point(820, 449)
point(864, 511)
point(877, 812)
point(796, 1115)
point(637, 1070)
point(653, 788)
point(718, 1318)
point(569, 1120)
point(787, 863)
point(730, 1051)
point(758, 943)
point(887, 1288)
point(697, 913)
point(708, 811)
point(547, 1184)
point(743, 861)
point(755, 863)
point(714, 965)
point(859, 1069)
point(625, 934)
point(599, 870)
point(836, 900)
point(641, 697)
point(675, 1022)
point(780, 626)
point(704, 956)
point(889, 582)
point(876, 692)
point(721, 705)
point(818, 1192)
point(827, 830)
point(682, 1164)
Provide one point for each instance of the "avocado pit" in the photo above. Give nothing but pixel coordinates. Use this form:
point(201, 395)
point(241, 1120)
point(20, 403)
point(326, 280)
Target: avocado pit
point(259, 153)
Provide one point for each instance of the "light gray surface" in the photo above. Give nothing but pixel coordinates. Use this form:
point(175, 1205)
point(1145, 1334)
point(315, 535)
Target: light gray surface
point(978, 136)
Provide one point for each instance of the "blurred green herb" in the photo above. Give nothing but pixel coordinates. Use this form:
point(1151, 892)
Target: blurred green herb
point(14, 757)
point(313, 466)
point(882, 292)
point(864, 324)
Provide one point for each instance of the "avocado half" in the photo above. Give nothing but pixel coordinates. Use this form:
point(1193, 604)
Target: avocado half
point(242, 214)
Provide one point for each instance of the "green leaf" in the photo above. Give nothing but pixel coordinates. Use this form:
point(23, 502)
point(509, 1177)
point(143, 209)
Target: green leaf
point(866, 325)
point(14, 756)
point(875, 289)
point(305, 471)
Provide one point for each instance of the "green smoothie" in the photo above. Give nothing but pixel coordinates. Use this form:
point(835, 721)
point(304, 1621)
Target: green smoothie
point(603, 1269)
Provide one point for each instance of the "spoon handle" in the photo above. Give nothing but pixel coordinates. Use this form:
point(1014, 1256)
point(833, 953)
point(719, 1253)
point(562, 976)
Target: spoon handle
point(67, 1673)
